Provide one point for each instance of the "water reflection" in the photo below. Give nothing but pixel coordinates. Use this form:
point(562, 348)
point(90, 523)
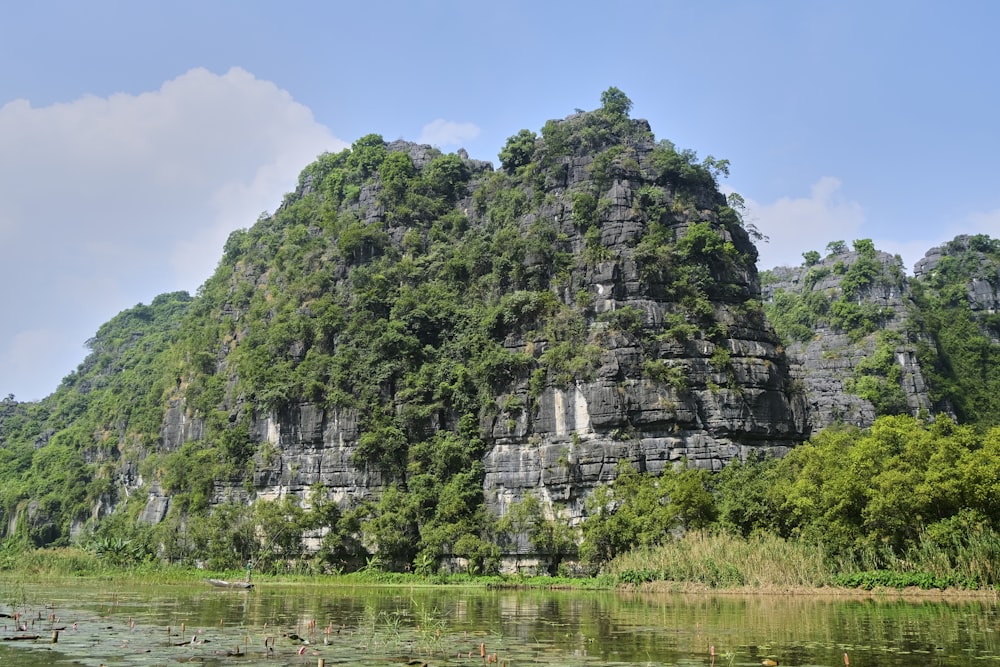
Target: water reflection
point(372, 625)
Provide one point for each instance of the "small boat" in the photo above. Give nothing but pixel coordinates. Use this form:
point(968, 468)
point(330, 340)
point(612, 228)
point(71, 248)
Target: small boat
point(222, 583)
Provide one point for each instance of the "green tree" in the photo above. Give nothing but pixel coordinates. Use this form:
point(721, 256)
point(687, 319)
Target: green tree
point(864, 247)
point(367, 154)
point(518, 151)
point(615, 103)
point(836, 248)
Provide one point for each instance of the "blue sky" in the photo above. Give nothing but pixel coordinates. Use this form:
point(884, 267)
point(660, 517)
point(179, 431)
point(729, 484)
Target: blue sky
point(134, 136)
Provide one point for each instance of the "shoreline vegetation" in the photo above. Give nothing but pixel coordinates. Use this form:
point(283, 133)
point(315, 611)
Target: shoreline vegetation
point(693, 563)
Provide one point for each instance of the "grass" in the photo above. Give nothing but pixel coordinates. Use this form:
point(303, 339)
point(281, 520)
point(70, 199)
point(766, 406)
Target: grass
point(724, 561)
point(75, 563)
point(701, 559)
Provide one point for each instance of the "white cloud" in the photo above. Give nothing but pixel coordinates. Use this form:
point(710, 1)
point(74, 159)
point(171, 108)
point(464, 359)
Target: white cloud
point(796, 225)
point(107, 202)
point(442, 132)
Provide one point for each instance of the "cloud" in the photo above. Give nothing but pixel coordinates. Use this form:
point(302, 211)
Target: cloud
point(796, 225)
point(442, 132)
point(107, 202)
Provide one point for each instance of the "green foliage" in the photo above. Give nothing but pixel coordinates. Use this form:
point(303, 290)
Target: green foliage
point(367, 154)
point(861, 274)
point(111, 403)
point(747, 500)
point(639, 510)
point(899, 580)
point(796, 315)
point(626, 319)
point(963, 363)
point(518, 151)
point(447, 176)
point(877, 378)
point(550, 537)
point(615, 103)
point(860, 491)
point(864, 247)
point(836, 248)
point(591, 132)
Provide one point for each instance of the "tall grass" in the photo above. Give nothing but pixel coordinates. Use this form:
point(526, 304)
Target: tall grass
point(970, 560)
point(73, 563)
point(724, 561)
point(974, 558)
point(763, 562)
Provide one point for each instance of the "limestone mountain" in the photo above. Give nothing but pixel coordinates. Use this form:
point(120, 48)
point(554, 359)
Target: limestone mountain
point(418, 346)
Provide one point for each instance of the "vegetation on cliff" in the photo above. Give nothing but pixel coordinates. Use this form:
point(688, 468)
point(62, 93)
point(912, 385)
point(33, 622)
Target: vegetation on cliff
point(945, 316)
point(392, 282)
point(964, 360)
point(434, 301)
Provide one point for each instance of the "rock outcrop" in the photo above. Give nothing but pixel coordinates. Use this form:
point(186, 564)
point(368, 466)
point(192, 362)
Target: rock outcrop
point(843, 328)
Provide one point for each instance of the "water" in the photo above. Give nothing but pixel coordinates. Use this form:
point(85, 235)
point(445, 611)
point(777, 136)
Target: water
point(184, 625)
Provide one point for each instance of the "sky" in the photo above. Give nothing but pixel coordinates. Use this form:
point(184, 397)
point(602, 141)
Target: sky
point(135, 136)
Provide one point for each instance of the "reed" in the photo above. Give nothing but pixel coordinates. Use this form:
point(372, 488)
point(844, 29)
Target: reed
point(725, 561)
point(970, 561)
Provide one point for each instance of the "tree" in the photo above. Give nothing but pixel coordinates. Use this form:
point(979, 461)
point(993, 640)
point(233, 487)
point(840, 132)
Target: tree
point(615, 103)
point(864, 247)
point(811, 257)
point(518, 151)
point(447, 176)
point(836, 248)
point(367, 154)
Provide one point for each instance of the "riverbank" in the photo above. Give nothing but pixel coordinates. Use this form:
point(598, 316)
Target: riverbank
point(71, 564)
point(882, 593)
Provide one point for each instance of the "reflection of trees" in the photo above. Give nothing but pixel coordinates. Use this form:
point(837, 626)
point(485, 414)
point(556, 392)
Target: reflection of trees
point(542, 627)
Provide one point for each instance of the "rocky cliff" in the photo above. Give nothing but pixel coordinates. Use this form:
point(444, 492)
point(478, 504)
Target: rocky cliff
point(417, 346)
point(845, 320)
point(623, 296)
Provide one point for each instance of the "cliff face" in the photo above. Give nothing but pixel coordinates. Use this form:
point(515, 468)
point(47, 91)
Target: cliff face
point(973, 261)
point(864, 340)
point(838, 315)
point(649, 346)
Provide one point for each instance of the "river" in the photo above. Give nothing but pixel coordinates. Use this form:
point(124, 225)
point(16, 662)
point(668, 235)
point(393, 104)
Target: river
point(302, 625)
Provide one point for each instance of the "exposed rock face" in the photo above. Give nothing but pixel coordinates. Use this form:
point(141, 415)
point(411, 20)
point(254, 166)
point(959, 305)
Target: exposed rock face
point(983, 287)
point(732, 392)
point(308, 445)
point(828, 362)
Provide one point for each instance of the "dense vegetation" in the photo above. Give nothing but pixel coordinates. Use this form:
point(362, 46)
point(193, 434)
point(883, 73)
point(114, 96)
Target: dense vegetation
point(964, 361)
point(59, 457)
point(390, 283)
point(957, 340)
point(431, 296)
point(797, 315)
point(905, 496)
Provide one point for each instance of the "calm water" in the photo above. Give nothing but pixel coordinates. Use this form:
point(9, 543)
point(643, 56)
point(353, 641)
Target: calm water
point(383, 626)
